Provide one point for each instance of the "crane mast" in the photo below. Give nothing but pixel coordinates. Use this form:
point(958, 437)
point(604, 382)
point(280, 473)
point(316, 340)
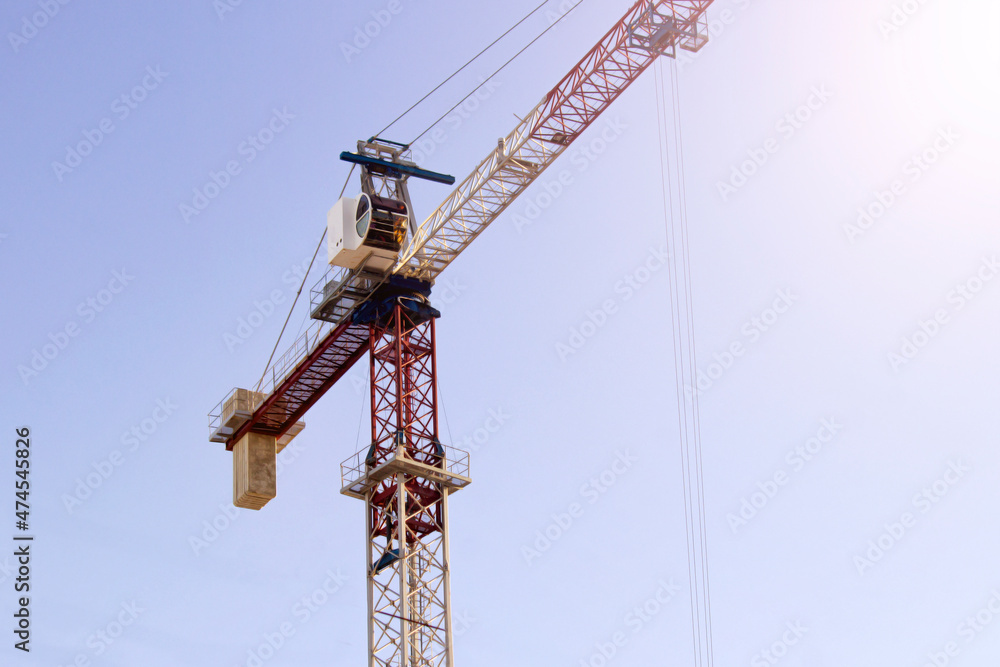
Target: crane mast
point(365, 307)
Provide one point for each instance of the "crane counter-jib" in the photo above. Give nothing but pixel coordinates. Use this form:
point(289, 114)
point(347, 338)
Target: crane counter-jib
point(274, 413)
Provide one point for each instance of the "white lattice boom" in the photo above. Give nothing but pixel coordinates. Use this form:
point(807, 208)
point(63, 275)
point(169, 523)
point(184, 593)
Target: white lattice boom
point(648, 30)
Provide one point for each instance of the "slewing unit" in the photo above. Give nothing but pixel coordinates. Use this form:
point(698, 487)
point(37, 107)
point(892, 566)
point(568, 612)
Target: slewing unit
point(366, 231)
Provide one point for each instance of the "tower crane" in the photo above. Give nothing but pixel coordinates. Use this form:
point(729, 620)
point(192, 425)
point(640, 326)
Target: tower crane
point(374, 300)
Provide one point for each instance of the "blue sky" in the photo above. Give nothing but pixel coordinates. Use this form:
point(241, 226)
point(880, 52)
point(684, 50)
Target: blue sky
point(841, 166)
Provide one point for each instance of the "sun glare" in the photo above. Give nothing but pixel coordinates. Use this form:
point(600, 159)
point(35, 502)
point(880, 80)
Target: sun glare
point(969, 59)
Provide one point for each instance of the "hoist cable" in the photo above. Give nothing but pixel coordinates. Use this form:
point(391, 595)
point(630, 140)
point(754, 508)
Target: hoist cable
point(666, 188)
point(468, 62)
point(297, 294)
point(686, 364)
point(695, 402)
point(496, 71)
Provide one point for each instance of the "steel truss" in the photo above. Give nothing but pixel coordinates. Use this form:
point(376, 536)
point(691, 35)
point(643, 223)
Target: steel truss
point(405, 480)
point(650, 29)
point(320, 359)
point(406, 475)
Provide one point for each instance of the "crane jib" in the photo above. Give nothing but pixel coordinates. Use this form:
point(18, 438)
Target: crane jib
point(650, 29)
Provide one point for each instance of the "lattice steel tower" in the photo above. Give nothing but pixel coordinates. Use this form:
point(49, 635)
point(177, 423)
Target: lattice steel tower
point(406, 475)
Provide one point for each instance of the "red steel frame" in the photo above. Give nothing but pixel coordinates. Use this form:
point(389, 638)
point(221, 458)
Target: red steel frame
point(609, 68)
point(409, 613)
point(620, 57)
point(407, 515)
point(312, 377)
point(568, 109)
point(404, 391)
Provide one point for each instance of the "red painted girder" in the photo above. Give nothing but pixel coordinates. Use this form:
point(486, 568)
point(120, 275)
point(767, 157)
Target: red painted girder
point(606, 71)
point(575, 102)
point(306, 384)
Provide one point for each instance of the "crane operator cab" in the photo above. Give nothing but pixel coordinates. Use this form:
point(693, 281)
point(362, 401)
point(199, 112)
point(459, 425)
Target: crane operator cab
point(366, 231)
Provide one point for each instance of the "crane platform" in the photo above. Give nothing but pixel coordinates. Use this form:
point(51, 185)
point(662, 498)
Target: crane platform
point(314, 363)
point(359, 473)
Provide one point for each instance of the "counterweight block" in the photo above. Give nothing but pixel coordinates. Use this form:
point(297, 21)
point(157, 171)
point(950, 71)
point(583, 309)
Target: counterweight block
point(254, 470)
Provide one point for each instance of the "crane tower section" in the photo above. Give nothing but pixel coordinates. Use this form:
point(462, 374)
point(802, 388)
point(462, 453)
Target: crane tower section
point(406, 473)
point(405, 477)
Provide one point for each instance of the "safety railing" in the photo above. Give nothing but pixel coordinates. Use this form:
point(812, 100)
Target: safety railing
point(231, 412)
point(453, 464)
point(339, 291)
